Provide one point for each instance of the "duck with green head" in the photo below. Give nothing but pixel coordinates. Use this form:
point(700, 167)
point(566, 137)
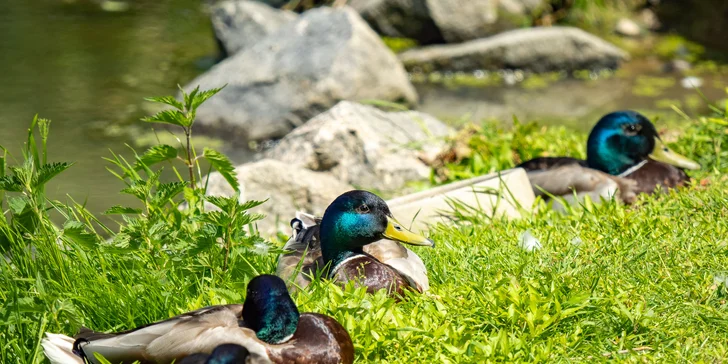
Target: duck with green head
point(268, 326)
point(624, 152)
point(357, 239)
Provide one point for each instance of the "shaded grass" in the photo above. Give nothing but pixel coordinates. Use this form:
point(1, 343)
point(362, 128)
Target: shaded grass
point(633, 283)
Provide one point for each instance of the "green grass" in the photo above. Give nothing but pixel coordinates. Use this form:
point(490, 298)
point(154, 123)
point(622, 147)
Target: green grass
point(632, 283)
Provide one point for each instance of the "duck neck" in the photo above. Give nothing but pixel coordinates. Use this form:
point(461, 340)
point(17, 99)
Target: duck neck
point(272, 315)
point(338, 243)
point(606, 158)
point(334, 253)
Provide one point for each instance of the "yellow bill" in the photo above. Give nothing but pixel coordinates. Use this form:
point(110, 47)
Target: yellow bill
point(395, 231)
point(663, 154)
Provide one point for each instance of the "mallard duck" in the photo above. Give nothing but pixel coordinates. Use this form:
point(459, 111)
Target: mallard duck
point(624, 154)
point(357, 238)
point(223, 354)
point(267, 325)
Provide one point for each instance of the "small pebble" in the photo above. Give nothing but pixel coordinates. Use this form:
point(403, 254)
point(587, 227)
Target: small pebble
point(719, 279)
point(528, 242)
point(627, 28)
point(691, 82)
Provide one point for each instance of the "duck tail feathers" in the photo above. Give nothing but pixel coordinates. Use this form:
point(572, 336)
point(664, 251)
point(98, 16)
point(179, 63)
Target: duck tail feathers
point(59, 349)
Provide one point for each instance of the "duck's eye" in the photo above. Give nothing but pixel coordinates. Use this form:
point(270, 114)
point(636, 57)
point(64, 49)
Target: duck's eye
point(362, 209)
point(632, 129)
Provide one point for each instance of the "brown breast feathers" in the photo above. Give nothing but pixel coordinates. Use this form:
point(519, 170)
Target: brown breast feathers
point(654, 174)
point(369, 272)
point(318, 339)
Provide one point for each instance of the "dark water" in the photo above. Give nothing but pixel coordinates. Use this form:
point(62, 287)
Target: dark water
point(88, 70)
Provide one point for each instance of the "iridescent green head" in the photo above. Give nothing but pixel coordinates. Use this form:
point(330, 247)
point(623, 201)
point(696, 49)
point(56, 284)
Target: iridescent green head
point(623, 139)
point(357, 218)
point(269, 309)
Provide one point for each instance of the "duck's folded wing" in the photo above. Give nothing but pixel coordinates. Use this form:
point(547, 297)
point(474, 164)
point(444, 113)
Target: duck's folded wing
point(546, 163)
point(191, 337)
point(564, 181)
point(129, 346)
point(405, 261)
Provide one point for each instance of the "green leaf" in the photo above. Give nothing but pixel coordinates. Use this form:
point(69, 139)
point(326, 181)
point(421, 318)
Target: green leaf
point(2, 166)
point(17, 204)
point(224, 203)
point(44, 130)
point(24, 173)
point(11, 184)
point(243, 219)
point(48, 171)
point(189, 97)
point(100, 358)
point(137, 188)
point(31, 151)
point(167, 100)
point(174, 117)
point(203, 96)
point(76, 232)
point(167, 191)
point(217, 218)
point(223, 165)
point(154, 155)
point(118, 209)
point(247, 205)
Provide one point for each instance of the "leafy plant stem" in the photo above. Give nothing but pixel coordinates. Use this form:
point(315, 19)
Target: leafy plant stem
point(189, 162)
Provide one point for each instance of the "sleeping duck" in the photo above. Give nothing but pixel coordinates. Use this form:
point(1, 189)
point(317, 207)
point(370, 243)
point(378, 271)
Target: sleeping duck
point(357, 238)
point(267, 325)
point(223, 354)
point(625, 155)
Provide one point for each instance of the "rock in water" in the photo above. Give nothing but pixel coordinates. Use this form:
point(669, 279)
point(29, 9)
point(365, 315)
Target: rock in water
point(364, 146)
point(532, 49)
point(301, 70)
point(287, 188)
point(239, 24)
point(440, 21)
point(462, 20)
point(400, 18)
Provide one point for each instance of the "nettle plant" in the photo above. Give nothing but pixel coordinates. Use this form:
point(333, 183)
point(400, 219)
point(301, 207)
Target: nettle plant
point(174, 217)
point(175, 221)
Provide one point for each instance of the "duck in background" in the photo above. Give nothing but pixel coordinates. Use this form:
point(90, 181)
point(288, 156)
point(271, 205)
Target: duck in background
point(625, 155)
point(268, 325)
point(356, 239)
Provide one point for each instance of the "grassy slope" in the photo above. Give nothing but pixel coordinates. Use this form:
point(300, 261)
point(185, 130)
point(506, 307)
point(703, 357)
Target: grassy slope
point(608, 279)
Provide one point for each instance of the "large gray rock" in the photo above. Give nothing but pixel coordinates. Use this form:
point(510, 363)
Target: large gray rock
point(301, 70)
point(533, 49)
point(438, 21)
point(239, 24)
point(287, 188)
point(364, 146)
